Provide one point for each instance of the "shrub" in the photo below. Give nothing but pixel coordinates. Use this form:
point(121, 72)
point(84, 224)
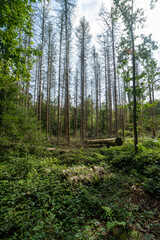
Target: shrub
point(152, 179)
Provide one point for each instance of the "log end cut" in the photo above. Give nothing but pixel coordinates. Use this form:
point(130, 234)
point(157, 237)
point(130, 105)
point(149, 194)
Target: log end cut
point(119, 142)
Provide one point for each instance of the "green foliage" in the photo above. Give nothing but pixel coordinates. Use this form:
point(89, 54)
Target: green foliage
point(80, 157)
point(15, 63)
point(152, 179)
point(21, 134)
point(127, 133)
point(15, 18)
point(144, 166)
point(111, 225)
point(38, 201)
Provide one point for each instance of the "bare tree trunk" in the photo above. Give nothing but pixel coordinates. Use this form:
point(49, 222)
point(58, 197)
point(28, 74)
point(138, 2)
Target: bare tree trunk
point(59, 76)
point(100, 105)
point(106, 87)
point(96, 90)
point(38, 80)
point(17, 92)
point(97, 108)
point(109, 87)
point(134, 92)
point(119, 112)
point(23, 92)
point(76, 105)
point(115, 78)
point(18, 73)
point(151, 98)
point(35, 88)
point(28, 84)
point(82, 90)
point(50, 86)
point(61, 113)
point(48, 81)
point(23, 89)
point(43, 85)
point(85, 101)
point(92, 126)
point(54, 105)
point(41, 65)
point(67, 112)
point(154, 129)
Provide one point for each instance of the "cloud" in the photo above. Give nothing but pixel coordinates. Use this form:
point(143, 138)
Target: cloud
point(89, 9)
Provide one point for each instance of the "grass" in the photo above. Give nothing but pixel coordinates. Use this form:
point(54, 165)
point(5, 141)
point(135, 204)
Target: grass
point(65, 196)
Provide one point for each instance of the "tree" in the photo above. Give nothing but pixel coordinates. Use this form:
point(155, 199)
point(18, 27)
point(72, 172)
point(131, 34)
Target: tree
point(41, 59)
point(104, 52)
point(130, 18)
point(76, 104)
point(14, 23)
point(96, 77)
point(83, 38)
point(67, 9)
point(59, 73)
point(150, 71)
point(109, 85)
point(49, 77)
point(153, 3)
point(109, 19)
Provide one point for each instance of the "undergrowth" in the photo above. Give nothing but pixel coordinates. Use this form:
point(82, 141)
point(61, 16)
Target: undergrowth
point(39, 201)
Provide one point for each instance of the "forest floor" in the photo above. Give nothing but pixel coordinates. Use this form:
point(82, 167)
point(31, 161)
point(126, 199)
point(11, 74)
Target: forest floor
point(105, 193)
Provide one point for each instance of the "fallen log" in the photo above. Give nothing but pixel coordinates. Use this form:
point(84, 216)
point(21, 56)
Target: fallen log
point(106, 142)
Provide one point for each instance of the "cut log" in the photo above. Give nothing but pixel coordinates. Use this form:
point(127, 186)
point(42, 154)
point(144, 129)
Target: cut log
point(51, 149)
point(107, 142)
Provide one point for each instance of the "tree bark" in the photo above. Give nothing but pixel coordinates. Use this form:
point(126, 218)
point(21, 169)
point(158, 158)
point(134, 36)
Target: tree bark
point(48, 82)
point(67, 110)
point(59, 76)
point(41, 65)
point(109, 86)
point(115, 78)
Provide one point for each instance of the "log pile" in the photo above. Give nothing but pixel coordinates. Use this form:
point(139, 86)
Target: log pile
point(104, 142)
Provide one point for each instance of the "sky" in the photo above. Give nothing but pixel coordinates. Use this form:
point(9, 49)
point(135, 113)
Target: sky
point(90, 9)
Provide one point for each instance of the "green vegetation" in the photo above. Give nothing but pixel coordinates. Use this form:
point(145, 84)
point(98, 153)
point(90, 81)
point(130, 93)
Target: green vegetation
point(107, 193)
point(70, 191)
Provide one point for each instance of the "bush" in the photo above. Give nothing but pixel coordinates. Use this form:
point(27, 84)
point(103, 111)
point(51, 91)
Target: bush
point(127, 133)
point(144, 166)
point(152, 179)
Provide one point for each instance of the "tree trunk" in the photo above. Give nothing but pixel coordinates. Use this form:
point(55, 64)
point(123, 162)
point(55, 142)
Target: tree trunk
point(109, 87)
point(67, 112)
point(134, 89)
point(82, 90)
point(59, 76)
point(48, 82)
point(76, 105)
point(41, 65)
point(35, 87)
point(115, 78)
point(100, 105)
point(106, 87)
point(28, 84)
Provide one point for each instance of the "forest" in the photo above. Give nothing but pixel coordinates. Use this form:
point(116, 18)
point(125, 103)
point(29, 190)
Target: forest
point(79, 122)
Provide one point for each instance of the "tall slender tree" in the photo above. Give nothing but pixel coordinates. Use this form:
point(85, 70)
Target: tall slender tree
point(59, 71)
point(83, 37)
point(130, 18)
point(41, 59)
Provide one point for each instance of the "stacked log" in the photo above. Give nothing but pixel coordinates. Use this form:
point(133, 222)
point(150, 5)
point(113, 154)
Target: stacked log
point(104, 142)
